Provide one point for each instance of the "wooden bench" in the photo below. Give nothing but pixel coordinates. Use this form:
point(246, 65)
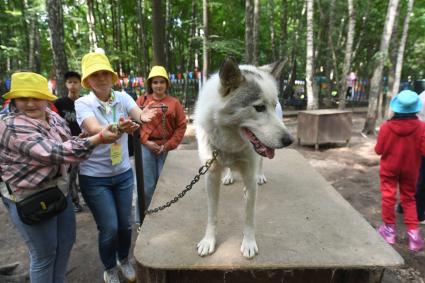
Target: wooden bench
point(306, 232)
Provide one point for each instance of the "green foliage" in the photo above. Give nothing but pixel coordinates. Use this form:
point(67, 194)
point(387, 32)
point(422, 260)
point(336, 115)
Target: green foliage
point(226, 34)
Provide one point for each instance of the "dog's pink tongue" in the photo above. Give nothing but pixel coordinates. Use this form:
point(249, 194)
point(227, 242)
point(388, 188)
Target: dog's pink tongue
point(259, 147)
point(270, 152)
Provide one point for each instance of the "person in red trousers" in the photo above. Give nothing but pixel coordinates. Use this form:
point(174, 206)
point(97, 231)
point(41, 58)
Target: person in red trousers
point(401, 142)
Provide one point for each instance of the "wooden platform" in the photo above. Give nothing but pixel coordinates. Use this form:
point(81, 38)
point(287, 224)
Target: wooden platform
point(316, 127)
point(305, 230)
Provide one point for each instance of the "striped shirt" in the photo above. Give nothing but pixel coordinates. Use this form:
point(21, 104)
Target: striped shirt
point(33, 152)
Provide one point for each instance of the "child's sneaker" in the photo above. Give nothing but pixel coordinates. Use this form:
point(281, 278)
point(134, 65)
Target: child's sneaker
point(416, 243)
point(387, 231)
point(127, 270)
point(111, 275)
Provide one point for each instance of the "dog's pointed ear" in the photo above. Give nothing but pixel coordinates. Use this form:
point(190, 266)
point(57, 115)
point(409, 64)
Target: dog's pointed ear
point(230, 76)
point(275, 68)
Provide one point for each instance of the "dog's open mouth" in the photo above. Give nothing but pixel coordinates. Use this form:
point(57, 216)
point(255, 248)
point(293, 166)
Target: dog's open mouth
point(259, 147)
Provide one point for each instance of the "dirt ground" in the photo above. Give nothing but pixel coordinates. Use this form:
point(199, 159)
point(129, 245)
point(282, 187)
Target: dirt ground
point(353, 172)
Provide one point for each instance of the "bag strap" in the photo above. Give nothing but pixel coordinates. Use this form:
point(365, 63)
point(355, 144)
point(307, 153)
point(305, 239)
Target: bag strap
point(145, 97)
point(8, 188)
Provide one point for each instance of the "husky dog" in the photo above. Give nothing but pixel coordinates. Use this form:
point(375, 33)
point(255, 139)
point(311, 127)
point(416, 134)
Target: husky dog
point(235, 115)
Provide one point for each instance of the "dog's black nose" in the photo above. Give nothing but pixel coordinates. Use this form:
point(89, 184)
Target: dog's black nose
point(287, 140)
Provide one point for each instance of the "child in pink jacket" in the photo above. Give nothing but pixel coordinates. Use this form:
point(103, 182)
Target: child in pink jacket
point(401, 144)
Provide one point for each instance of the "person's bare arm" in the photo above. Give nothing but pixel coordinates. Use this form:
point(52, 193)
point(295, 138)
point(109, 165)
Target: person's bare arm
point(108, 134)
point(91, 126)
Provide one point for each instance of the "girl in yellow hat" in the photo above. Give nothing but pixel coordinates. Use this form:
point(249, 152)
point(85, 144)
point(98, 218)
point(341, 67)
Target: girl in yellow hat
point(36, 149)
point(106, 178)
point(164, 132)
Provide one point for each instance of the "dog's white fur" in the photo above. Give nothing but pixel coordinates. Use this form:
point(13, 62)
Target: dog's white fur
point(237, 99)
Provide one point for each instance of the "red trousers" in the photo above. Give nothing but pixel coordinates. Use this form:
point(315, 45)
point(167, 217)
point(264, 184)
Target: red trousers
point(407, 187)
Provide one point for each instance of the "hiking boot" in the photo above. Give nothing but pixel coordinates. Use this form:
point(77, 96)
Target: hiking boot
point(127, 270)
point(387, 231)
point(416, 243)
point(111, 275)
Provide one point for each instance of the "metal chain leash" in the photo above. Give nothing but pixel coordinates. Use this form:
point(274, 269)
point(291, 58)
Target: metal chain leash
point(202, 170)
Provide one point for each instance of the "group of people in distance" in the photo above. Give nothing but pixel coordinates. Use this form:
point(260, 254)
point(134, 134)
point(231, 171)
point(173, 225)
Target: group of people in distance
point(39, 149)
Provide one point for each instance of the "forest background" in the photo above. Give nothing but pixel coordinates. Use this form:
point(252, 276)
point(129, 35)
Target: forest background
point(323, 42)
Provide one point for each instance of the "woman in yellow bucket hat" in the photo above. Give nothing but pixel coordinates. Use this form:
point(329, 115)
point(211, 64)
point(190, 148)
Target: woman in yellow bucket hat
point(106, 178)
point(35, 152)
point(164, 132)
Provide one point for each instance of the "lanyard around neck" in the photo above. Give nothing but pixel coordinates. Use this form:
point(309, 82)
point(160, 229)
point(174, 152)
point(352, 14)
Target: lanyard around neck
point(108, 104)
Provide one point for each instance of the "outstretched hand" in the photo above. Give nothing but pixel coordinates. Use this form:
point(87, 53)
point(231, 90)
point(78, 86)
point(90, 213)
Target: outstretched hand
point(127, 125)
point(109, 134)
point(148, 113)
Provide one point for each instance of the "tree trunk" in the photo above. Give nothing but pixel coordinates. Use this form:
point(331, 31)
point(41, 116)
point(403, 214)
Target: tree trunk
point(312, 102)
point(34, 44)
point(249, 23)
point(288, 92)
point(362, 29)
point(121, 60)
point(26, 22)
point(256, 29)
point(55, 19)
point(91, 24)
point(115, 33)
point(37, 46)
point(376, 81)
point(330, 63)
point(270, 7)
point(348, 53)
point(142, 48)
point(400, 55)
point(158, 33)
point(283, 29)
point(205, 39)
point(168, 35)
point(191, 33)
point(392, 58)
point(102, 24)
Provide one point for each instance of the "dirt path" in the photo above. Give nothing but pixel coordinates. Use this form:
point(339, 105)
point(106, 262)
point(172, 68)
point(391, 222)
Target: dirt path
point(353, 171)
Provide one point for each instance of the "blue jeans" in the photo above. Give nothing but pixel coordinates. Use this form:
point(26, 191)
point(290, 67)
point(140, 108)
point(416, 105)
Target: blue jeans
point(152, 167)
point(110, 200)
point(49, 243)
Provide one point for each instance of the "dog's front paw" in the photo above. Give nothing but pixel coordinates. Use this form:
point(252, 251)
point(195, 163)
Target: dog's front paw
point(261, 179)
point(249, 248)
point(228, 178)
point(206, 246)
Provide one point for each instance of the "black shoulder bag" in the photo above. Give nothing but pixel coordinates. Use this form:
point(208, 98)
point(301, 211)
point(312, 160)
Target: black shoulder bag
point(40, 206)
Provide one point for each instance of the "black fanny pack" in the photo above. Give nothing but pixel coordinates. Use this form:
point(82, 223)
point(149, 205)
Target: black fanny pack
point(40, 206)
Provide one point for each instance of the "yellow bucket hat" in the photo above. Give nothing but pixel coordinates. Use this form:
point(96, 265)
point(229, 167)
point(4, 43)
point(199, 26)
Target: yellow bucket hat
point(158, 71)
point(28, 84)
point(93, 62)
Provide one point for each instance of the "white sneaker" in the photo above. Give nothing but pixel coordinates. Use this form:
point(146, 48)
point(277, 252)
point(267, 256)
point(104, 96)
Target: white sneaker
point(111, 275)
point(127, 270)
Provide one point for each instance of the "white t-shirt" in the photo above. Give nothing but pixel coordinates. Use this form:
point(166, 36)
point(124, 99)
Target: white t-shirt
point(100, 164)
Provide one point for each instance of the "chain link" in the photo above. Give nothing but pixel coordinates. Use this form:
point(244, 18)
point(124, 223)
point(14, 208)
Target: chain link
point(202, 170)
